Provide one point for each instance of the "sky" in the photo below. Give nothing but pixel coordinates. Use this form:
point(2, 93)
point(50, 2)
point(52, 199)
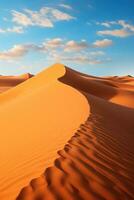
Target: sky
point(92, 36)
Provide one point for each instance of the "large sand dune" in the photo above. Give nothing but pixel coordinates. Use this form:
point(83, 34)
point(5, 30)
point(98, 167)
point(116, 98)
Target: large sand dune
point(36, 119)
point(88, 120)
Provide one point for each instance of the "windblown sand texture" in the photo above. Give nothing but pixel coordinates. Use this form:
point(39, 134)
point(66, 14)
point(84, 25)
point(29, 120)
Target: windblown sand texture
point(87, 120)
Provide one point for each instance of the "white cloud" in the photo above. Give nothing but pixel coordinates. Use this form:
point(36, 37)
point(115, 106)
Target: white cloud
point(53, 43)
point(126, 25)
point(116, 32)
point(82, 59)
point(16, 52)
point(15, 29)
point(45, 17)
point(66, 6)
point(21, 18)
point(125, 30)
point(57, 15)
point(106, 24)
point(75, 46)
point(60, 45)
point(102, 43)
point(58, 50)
point(75, 52)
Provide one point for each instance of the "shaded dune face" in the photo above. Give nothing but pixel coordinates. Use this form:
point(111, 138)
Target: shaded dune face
point(97, 163)
point(113, 91)
point(7, 82)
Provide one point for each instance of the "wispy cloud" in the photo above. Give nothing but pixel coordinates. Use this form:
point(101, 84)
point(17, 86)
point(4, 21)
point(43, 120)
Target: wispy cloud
point(116, 32)
point(21, 18)
point(53, 43)
point(45, 17)
point(125, 30)
point(82, 59)
point(106, 24)
point(102, 43)
point(126, 25)
point(65, 6)
point(14, 29)
point(75, 46)
point(16, 51)
point(58, 49)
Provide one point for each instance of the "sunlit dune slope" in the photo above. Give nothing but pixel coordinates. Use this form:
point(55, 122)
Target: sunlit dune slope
point(97, 163)
point(37, 117)
point(7, 82)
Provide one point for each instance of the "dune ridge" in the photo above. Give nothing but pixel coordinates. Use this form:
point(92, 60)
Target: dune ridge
point(32, 131)
point(97, 162)
point(96, 158)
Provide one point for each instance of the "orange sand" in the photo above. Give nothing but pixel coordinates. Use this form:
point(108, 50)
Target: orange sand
point(7, 82)
point(49, 113)
point(32, 130)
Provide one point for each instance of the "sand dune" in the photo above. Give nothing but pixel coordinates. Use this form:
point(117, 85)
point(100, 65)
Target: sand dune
point(101, 87)
point(37, 118)
point(88, 120)
point(7, 82)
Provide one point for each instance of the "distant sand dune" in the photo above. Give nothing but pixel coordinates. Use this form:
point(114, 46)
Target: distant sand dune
point(90, 123)
point(7, 82)
point(101, 87)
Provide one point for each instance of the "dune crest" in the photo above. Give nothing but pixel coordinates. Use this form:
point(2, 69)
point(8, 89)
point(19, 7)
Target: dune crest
point(37, 118)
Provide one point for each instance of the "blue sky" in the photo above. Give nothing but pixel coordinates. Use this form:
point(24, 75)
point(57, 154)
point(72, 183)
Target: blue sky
point(92, 36)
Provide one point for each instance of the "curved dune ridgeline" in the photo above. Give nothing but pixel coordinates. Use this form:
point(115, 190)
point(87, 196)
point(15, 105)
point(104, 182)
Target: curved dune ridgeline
point(87, 120)
point(37, 117)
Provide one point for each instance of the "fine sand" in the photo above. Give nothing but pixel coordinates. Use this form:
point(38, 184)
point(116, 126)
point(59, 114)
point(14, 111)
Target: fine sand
point(7, 82)
point(87, 120)
point(37, 118)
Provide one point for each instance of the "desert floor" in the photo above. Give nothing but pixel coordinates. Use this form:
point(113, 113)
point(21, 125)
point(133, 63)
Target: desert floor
point(66, 136)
